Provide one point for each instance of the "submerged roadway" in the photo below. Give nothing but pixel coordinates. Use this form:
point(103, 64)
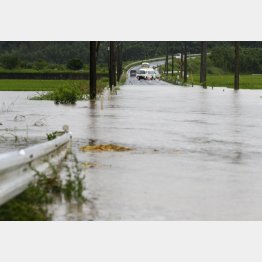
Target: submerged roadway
point(196, 154)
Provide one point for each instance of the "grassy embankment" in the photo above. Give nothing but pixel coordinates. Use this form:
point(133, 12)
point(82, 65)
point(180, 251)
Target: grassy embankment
point(246, 81)
point(42, 85)
point(215, 76)
point(226, 80)
point(61, 91)
point(48, 85)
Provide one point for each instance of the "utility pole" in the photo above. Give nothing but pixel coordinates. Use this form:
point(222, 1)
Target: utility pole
point(181, 65)
point(114, 63)
point(167, 58)
point(119, 61)
point(92, 70)
point(237, 66)
point(203, 65)
point(172, 63)
point(111, 65)
point(185, 62)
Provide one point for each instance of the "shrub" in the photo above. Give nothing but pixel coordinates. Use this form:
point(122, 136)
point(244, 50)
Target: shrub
point(75, 64)
point(70, 92)
point(9, 61)
point(40, 64)
point(51, 136)
point(26, 65)
point(65, 95)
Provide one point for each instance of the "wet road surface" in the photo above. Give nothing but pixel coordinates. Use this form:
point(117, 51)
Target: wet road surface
point(196, 153)
point(134, 81)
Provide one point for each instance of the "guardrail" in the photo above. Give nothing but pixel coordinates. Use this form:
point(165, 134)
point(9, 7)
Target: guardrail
point(17, 169)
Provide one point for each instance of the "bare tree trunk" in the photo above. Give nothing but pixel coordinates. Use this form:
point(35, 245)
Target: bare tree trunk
point(92, 81)
point(111, 65)
point(119, 60)
point(185, 63)
point(237, 66)
point(203, 66)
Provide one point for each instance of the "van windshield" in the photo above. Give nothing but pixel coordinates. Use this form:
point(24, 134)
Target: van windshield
point(142, 71)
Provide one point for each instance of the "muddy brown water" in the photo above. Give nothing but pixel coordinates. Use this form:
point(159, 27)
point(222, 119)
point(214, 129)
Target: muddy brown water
point(197, 153)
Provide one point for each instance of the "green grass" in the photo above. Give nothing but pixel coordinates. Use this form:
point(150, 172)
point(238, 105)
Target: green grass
point(41, 85)
point(30, 85)
point(215, 76)
point(224, 80)
point(227, 80)
point(41, 71)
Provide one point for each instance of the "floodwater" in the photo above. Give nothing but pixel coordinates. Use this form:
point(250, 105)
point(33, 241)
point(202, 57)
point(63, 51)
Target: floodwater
point(196, 153)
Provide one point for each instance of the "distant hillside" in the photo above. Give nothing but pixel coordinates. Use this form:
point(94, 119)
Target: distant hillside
point(62, 52)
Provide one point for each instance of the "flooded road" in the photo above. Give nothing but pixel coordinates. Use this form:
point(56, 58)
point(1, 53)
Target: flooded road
point(196, 153)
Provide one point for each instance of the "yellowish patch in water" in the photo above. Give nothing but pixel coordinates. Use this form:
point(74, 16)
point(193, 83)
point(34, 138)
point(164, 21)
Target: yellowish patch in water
point(88, 165)
point(102, 148)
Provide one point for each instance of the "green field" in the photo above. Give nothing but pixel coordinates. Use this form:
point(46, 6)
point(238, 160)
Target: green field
point(30, 85)
point(41, 85)
point(225, 80)
point(246, 81)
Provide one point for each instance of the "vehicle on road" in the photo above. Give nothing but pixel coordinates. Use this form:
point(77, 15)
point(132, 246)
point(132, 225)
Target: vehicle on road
point(146, 73)
point(145, 65)
point(132, 73)
point(151, 74)
point(157, 75)
point(142, 73)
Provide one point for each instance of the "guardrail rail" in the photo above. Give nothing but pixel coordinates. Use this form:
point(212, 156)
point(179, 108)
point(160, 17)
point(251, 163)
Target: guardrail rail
point(18, 168)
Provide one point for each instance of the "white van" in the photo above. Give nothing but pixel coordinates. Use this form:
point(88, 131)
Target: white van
point(142, 73)
point(146, 73)
point(145, 65)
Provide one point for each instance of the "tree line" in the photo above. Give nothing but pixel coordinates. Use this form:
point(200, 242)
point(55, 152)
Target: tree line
point(28, 54)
